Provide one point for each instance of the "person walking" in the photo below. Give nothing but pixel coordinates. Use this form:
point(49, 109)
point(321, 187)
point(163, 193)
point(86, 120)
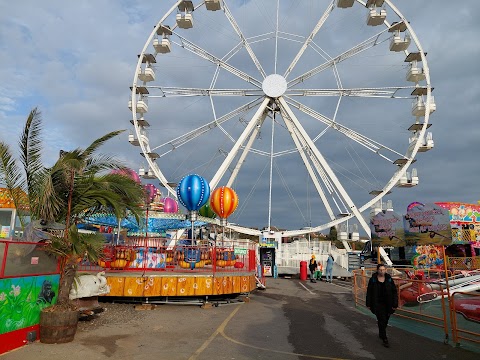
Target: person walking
point(329, 268)
point(312, 266)
point(382, 299)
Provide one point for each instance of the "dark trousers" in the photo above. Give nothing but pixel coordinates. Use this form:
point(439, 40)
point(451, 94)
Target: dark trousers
point(383, 315)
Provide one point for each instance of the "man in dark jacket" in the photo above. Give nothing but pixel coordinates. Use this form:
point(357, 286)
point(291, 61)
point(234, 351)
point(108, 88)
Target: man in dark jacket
point(382, 299)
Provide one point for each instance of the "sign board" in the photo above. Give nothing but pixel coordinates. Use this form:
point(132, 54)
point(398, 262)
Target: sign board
point(240, 251)
point(427, 224)
point(387, 229)
point(5, 232)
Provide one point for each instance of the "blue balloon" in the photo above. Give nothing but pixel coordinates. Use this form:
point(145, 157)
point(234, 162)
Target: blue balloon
point(193, 192)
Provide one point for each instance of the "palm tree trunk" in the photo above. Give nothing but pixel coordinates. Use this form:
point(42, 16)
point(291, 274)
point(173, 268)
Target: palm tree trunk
point(69, 269)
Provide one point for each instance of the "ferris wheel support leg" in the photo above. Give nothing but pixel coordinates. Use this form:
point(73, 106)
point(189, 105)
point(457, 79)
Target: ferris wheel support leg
point(301, 151)
point(328, 170)
point(246, 150)
point(233, 152)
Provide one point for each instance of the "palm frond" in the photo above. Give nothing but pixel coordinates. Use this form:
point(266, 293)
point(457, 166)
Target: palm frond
point(31, 151)
point(99, 142)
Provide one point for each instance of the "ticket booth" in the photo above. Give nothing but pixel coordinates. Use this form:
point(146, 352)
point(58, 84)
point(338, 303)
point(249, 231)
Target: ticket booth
point(268, 245)
point(267, 260)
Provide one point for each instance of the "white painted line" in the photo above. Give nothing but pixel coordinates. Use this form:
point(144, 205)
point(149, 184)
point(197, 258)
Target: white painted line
point(307, 289)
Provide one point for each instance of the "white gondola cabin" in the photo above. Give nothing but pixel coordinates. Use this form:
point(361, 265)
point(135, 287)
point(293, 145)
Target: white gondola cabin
point(399, 44)
point(184, 17)
point(408, 180)
point(375, 18)
point(147, 74)
point(342, 233)
point(415, 72)
point(142, 105)
point(162, 44)
point(418, 106)
point(428, 143)
point(353, 234)
point(132, 140)
point(213, 5)
point(149, 174)
point(343, 4)
point(141, 172)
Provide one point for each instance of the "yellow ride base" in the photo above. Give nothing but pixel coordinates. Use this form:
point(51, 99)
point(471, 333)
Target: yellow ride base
point(153, 284)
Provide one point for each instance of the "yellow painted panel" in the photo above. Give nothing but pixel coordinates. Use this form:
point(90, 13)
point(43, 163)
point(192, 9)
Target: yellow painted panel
point(153, 286)
point(134, 286)
point(218, 286)
point(253, 283)
point(236, 284)
point(227, 285)
point(116, 285)
point(172, 287)
point(169, 286)
point(244, 284)
point(203, 286)
point(185, 286)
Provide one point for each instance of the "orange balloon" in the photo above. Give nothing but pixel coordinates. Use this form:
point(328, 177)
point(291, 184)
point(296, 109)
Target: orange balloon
point(223, 201)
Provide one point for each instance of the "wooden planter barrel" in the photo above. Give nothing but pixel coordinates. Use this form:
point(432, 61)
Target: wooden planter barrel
point(58, 326)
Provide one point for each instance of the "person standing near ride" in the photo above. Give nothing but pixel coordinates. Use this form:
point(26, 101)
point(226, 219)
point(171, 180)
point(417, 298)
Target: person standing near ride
point(329, 268)
point(382, 299)
point(312, 266)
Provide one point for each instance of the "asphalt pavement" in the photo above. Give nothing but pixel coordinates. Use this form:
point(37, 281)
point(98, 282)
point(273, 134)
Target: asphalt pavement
point(291, 319)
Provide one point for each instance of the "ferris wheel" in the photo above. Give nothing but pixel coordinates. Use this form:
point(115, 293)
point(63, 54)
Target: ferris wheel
point(310, 110)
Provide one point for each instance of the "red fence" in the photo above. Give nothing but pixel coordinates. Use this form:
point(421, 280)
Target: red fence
point(152, 254)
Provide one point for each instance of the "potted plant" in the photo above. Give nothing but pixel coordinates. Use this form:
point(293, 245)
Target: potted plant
point(79, 183)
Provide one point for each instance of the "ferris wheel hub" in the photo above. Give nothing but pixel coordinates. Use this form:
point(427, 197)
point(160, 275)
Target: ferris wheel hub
point(274, 85)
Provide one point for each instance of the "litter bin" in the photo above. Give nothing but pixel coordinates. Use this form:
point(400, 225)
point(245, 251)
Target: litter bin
point(303, 270)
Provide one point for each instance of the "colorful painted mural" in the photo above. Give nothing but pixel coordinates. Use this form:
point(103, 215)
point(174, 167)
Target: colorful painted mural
point(427, 257)
point(22, 299)
point(465, 222)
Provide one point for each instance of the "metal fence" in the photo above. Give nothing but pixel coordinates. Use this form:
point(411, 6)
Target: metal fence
point(153, 254)
point(427, 299)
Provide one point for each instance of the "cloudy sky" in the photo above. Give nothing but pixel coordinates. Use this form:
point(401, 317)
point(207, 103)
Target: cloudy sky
point(77, 60)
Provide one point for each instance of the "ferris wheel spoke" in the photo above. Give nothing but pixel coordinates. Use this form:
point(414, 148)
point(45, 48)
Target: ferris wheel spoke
point(301, 150)
point(246, 150)
point(380, 92)
point(243, 39)
point(197, 50)
point(327, 183)
point(241, 139)
point(309, 39)
point(364, 45)
point(323, 163)
point(366, 142)
point(166, 91)
point(174, 144)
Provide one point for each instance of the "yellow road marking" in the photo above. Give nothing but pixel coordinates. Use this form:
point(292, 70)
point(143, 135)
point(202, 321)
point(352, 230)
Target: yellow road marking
point(210, 339)
point(221, 330)
point(279, 351)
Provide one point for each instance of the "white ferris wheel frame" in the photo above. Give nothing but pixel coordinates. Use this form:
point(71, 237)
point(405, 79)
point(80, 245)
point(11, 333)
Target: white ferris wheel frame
point(300, 137)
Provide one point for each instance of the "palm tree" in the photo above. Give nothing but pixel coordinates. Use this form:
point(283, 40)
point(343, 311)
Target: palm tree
point(80, 182)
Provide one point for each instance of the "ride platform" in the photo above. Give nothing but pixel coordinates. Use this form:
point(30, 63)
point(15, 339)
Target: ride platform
point(152, 284)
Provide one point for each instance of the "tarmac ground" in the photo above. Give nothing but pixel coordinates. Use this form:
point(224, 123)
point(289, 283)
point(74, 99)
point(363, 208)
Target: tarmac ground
point(290, 320)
